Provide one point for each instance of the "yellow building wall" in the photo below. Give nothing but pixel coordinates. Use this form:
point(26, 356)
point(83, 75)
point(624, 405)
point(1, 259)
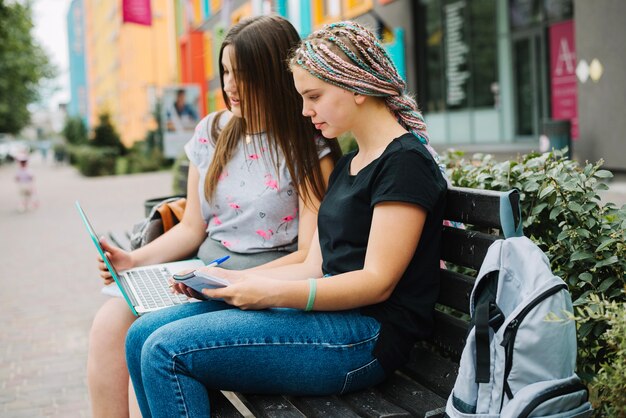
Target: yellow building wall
point(130, 65)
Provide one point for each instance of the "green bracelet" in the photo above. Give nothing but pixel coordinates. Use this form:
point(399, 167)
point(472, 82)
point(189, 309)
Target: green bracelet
point(312, 292)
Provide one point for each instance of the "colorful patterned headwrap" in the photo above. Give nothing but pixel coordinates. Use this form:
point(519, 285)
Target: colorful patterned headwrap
point(349, 56)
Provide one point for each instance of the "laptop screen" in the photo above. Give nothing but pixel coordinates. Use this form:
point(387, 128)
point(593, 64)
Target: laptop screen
point(96, 241)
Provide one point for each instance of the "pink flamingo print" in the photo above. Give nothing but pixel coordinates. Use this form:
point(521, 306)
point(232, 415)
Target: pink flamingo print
point(233, 205)
point(227, 244)
point(223, 175)
point(270, 183)
point(265, 234)
point(286, 220)
point(251, 159)
point(203, 140)
point(216, 220)
point(236, 207)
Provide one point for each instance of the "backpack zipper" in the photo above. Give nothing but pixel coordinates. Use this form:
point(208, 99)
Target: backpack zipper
point(571, 387)
point(508, 339)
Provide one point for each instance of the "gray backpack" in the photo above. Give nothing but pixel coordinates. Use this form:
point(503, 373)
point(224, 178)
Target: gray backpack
point(518, 361)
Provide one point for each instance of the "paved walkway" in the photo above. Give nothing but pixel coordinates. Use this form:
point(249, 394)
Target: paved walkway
point(49, 285)
point(50, 290)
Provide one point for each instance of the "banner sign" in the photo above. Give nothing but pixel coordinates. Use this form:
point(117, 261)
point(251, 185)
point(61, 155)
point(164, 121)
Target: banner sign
point(564, 89)
point(179, 117)
point(137, 11)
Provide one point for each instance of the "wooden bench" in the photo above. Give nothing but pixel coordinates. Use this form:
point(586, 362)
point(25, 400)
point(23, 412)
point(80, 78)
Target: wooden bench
point(420, 388)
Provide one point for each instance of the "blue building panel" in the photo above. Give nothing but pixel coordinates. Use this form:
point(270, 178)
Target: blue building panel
point(78, 105)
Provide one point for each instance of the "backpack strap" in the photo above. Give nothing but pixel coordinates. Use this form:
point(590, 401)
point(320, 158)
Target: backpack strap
point(510, 219)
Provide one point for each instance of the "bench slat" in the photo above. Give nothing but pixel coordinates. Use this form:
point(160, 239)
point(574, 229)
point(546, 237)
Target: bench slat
point(221, 407)
point(465, 248)
point(455, 290)
point(432, 370)
point(410, 395)
point(449, 334)
point(270, 406)
point(476, 207)
point(323, 406)
point(370, 403)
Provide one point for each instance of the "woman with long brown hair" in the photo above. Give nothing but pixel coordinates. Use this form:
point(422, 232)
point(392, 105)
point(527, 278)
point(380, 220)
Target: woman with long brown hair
point(257, 175)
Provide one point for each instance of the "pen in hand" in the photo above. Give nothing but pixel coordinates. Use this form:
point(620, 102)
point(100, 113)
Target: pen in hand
point(213, 263)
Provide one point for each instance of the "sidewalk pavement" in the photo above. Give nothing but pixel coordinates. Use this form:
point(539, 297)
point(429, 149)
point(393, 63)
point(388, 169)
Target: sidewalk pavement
point(50, 288)
point(50, 285)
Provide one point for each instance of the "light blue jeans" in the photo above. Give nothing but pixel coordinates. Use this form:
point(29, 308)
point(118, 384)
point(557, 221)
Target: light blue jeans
point(176, 354)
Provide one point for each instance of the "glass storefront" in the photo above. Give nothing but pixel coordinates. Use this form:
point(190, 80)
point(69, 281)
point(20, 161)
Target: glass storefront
point(460, 51)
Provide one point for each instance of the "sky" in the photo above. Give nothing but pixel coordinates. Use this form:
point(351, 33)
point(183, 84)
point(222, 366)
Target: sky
point(50, 19)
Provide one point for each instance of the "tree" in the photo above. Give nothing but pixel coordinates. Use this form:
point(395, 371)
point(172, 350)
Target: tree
point(75, 130)
point(23, 65)
point(105, 135)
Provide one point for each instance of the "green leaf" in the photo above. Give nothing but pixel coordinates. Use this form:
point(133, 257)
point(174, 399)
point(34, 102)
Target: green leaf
point(585, 329)
point(581, 255)
point(537, 209)
point(585, 277)
point(532, 187)
point(606, 284)
point(611, 260)
point(603, 174)
point(590, 222)
point(556, 211)
point(605, 244)
point(574, 207)
point(583, 233)
point(546, 191)
point(582, 299)
point(563, 235)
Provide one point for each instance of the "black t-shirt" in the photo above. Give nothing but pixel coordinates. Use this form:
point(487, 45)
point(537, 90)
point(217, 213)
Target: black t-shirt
point(405, 172)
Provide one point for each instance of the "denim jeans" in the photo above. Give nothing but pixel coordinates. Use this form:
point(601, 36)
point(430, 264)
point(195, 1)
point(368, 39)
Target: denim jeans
point(175, 355)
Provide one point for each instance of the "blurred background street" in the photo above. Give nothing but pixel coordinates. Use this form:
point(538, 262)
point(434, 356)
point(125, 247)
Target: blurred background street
point(50, 287)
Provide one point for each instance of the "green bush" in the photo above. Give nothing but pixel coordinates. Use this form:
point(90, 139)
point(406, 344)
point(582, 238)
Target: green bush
point(75, 131)
point(92, 161)
point(180, 169)
point(105, 135)
point(608, 388)
point(138, 161)
point(347, 143)
point(563, 214)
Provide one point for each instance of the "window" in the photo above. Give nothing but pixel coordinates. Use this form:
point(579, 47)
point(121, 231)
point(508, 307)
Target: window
point(460, 61)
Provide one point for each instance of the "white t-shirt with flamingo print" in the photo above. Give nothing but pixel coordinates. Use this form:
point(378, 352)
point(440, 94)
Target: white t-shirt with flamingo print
point(255, 207)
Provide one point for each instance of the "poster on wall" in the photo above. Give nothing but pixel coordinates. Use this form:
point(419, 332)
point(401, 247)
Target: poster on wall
point(180, 113)
point(137, 11)
point(564, 89)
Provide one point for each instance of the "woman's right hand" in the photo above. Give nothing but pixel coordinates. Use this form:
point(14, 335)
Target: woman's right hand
point(120, 259)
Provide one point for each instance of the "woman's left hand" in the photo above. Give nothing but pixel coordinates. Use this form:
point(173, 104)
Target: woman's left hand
point(246, 291)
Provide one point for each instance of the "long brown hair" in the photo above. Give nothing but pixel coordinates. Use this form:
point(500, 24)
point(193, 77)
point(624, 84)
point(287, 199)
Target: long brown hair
point(269, 100)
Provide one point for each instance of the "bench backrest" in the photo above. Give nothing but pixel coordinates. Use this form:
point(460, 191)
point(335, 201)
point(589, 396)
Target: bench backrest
point(480, 211)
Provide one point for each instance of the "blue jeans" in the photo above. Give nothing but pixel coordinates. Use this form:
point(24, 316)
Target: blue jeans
point(175, 355)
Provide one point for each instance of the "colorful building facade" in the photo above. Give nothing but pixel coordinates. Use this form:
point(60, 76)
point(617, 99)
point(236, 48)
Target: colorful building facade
point(78, 105)
point(489, 75)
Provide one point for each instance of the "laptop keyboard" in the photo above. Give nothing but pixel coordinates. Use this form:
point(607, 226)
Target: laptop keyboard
point(152, 287)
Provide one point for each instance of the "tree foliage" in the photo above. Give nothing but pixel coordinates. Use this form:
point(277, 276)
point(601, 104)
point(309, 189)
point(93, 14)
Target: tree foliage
point(584, 238)
point(75, 130)
point(23, 65)
point(105, 135)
